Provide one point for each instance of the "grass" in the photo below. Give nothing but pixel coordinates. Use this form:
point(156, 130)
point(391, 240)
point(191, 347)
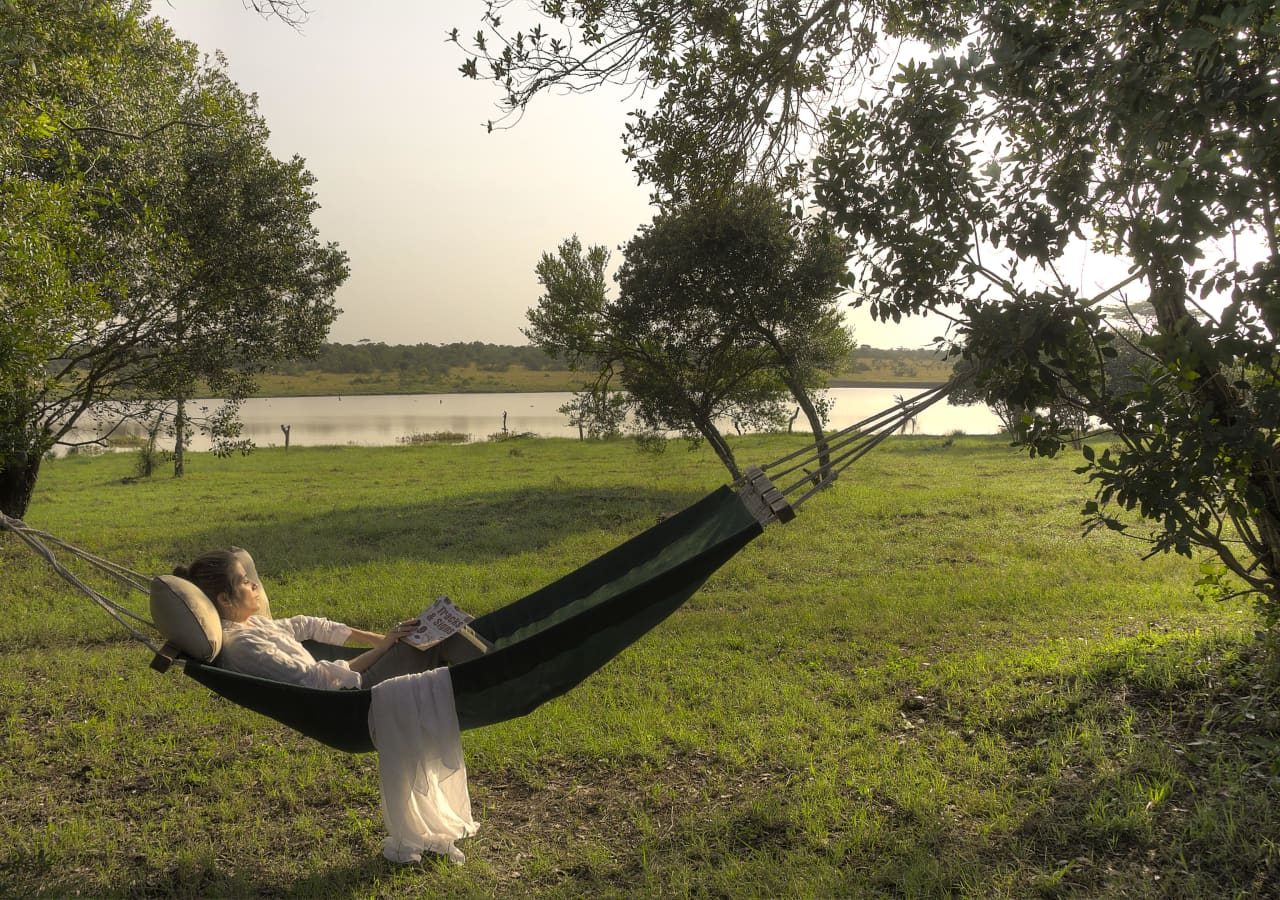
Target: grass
point(928, 685)
point(899, 371)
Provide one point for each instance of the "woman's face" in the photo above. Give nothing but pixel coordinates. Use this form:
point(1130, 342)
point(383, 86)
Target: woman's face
point(245, 599)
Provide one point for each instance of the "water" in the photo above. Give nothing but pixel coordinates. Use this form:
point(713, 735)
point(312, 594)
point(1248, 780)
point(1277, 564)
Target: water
point(381, 420)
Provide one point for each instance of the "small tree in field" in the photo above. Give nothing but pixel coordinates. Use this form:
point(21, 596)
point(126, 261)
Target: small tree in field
point(682, 370)
point(596, 412)
point(742, 260)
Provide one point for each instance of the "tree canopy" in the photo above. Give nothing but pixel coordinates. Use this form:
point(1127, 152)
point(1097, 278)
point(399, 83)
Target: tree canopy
point(725, 305)
point(155, 240)
point(967, 166)
point(765, 278)
point(681, 368)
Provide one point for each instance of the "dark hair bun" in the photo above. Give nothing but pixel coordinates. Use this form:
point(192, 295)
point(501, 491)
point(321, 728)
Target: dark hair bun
point(182, 572)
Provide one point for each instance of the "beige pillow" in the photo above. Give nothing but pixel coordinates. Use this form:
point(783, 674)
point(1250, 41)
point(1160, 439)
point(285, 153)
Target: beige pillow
point(184, 615)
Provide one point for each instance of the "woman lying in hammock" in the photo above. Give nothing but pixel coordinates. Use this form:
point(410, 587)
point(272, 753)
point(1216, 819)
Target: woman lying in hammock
point(272, 648)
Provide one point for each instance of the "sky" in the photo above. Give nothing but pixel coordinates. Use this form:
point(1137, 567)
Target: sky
point(443, 222)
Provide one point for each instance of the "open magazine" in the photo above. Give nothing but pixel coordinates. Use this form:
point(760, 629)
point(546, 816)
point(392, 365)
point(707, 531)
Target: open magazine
point(441, 620)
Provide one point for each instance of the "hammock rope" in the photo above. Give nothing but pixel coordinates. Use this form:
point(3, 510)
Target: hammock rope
point(863, 444)
point(126, 576)
point(898, 413)
point(855, 440)
point(544, 644)
point(36, 540)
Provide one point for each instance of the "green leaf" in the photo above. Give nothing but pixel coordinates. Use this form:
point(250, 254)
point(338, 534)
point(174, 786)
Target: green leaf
point(1195, 39)
point(43, 127)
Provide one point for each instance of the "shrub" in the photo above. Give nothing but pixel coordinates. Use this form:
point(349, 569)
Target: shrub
point(435, 437)
point(499, 436)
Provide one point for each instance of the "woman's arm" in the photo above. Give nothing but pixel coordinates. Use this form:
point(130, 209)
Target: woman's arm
point(381, 645)
point(271, 655)
point(315, 628)
point(364, 638)
point(372, 638)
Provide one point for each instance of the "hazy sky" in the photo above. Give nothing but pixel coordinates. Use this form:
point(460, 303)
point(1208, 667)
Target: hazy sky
point(443, 222)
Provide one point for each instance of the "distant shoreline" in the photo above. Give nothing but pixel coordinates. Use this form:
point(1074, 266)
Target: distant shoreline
point(385, 391)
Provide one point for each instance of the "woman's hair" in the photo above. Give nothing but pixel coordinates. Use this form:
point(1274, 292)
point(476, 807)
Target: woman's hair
point(211, 572)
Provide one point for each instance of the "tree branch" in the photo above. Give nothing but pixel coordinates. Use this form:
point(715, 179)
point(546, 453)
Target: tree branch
point(144, 136)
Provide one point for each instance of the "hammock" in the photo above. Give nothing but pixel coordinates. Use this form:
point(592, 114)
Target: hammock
point(548, 642)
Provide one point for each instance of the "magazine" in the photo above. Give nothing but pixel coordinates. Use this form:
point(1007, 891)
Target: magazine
point(441, 620)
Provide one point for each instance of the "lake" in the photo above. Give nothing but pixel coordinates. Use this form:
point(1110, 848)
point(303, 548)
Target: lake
point(381, 420)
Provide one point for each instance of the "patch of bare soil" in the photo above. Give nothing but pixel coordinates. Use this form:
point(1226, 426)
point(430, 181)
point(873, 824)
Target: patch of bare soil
point(608, 805)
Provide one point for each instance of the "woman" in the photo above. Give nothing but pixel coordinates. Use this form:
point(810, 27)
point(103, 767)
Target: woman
point(272, 648)
point(412, 721)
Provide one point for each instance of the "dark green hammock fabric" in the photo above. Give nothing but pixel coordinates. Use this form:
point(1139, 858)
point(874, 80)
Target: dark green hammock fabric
point(545, 643)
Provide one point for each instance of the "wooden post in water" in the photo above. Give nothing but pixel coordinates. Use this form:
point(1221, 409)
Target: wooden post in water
point(285, 429)
point(504, 421)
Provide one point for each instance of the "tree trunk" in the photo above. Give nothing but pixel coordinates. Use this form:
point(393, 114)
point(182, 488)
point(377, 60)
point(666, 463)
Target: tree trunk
point(180, 438)
point(1269, 535)
point(801, 394)
point(719, 445)
point(18, 473)
point(815, 423)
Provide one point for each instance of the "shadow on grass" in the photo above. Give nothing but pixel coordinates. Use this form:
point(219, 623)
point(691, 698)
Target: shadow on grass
point(358, 878)
point(1155, 771)
point(1151, 770)
point(202, 878)
point(475, 528)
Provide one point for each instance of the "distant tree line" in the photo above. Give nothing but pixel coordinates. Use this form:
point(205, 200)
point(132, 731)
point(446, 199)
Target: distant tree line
point(366, 357)
point(866, 353)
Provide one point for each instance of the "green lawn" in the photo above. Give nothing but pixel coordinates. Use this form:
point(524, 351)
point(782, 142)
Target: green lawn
point(929, 684)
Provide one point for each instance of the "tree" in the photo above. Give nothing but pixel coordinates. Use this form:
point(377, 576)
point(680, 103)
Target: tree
point(596, 412)
point(1070, 411)
point(250, 281)
point(736, 85)
point(680, 366)
point(965, 177)
point(120, 284)
point(760, 275)
point(1147, 129)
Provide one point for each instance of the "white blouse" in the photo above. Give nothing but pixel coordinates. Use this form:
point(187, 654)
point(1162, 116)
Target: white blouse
point(272, 648)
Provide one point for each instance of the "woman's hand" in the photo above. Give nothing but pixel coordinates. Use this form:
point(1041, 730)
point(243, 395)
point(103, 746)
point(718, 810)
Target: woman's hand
point(403, 630)
point(382, 644)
